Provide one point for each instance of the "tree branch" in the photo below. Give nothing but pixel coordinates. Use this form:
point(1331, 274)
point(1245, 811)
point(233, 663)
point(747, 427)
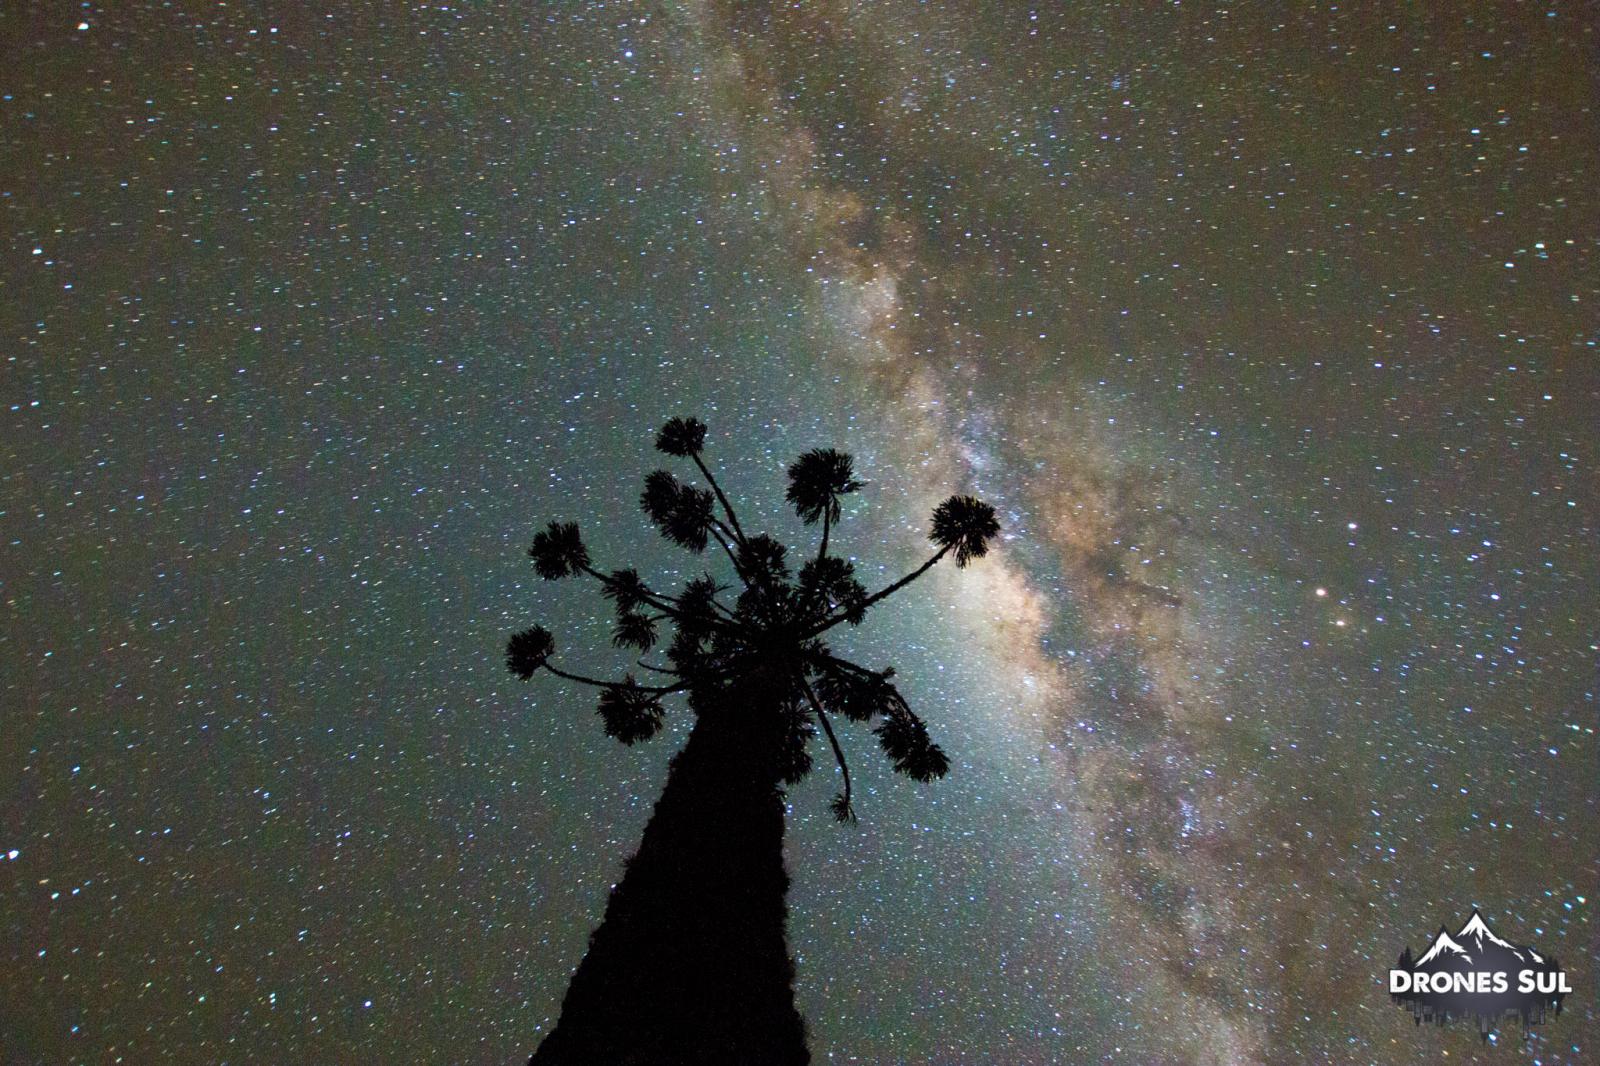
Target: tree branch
point(738, 534)
point(838, 752)
point(732, 557)
point(855, 667)
point(659, 601)
point(830, 622)
point(660, 690)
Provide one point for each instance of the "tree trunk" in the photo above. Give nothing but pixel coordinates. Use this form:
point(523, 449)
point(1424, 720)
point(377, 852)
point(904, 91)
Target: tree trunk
point(691, 963)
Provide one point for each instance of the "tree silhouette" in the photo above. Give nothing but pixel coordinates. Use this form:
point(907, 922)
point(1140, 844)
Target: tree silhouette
point(691, 962)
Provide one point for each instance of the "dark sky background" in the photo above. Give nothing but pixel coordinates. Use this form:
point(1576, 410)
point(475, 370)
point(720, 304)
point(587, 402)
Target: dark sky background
point(1270, 331)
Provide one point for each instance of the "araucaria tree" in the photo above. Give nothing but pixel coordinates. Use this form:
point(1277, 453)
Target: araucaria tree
point(691, 964)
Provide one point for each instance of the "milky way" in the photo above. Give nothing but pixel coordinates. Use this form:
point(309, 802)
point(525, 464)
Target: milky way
point(1270, 335)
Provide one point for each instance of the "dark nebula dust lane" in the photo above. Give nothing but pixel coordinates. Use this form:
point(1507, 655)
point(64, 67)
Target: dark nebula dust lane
point(1269, 333)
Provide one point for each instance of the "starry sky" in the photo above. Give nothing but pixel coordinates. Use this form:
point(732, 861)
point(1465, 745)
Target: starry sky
point(1268, 330)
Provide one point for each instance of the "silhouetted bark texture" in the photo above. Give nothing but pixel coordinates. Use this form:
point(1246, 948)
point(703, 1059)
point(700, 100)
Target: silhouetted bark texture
point(691, 963)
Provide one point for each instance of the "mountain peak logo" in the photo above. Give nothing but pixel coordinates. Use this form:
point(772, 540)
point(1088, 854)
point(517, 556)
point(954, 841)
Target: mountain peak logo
point(1474, 973)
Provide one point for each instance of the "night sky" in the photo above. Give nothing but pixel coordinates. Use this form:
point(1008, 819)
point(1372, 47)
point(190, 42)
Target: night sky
point(1270, 332)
